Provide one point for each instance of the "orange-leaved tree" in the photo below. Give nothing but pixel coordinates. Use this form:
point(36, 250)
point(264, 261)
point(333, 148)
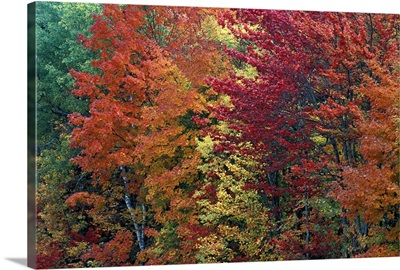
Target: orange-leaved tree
point(370, 190)
point(138, 140)
point(356, 97)
point(133, 133)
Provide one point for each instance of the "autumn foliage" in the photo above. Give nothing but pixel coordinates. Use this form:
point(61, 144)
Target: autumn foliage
point(227, 135)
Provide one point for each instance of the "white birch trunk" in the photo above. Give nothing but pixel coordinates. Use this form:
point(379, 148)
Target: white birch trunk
point(138, 229)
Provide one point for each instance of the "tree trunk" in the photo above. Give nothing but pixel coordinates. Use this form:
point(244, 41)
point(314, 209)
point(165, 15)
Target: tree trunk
point(335, 150)
point(307, 230)
point(346, 239)
point(273, 181)
point(139, 229)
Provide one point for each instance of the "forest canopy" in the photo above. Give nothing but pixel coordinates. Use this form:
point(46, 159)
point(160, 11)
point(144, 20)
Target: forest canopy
point(181, 135)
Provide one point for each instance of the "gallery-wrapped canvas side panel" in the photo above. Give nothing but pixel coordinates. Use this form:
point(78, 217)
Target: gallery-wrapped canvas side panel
point(31, 136)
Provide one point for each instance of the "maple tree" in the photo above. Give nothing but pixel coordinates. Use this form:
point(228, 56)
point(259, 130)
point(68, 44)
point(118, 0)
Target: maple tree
point(355, 52)
point(369, 190)
point(272, 112)
point(326, 104)
point(135, 139)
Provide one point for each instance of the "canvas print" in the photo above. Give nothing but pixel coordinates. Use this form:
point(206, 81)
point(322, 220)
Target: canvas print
point(185, 135)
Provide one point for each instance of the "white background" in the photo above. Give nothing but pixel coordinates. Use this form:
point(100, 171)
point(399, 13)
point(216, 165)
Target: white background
point(13, 124)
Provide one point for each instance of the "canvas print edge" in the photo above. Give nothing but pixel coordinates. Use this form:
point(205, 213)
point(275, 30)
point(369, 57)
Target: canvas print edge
point(28, 158)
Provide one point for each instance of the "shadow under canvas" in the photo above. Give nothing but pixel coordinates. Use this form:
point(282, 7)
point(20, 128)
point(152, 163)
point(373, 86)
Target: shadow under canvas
point(20, 261)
